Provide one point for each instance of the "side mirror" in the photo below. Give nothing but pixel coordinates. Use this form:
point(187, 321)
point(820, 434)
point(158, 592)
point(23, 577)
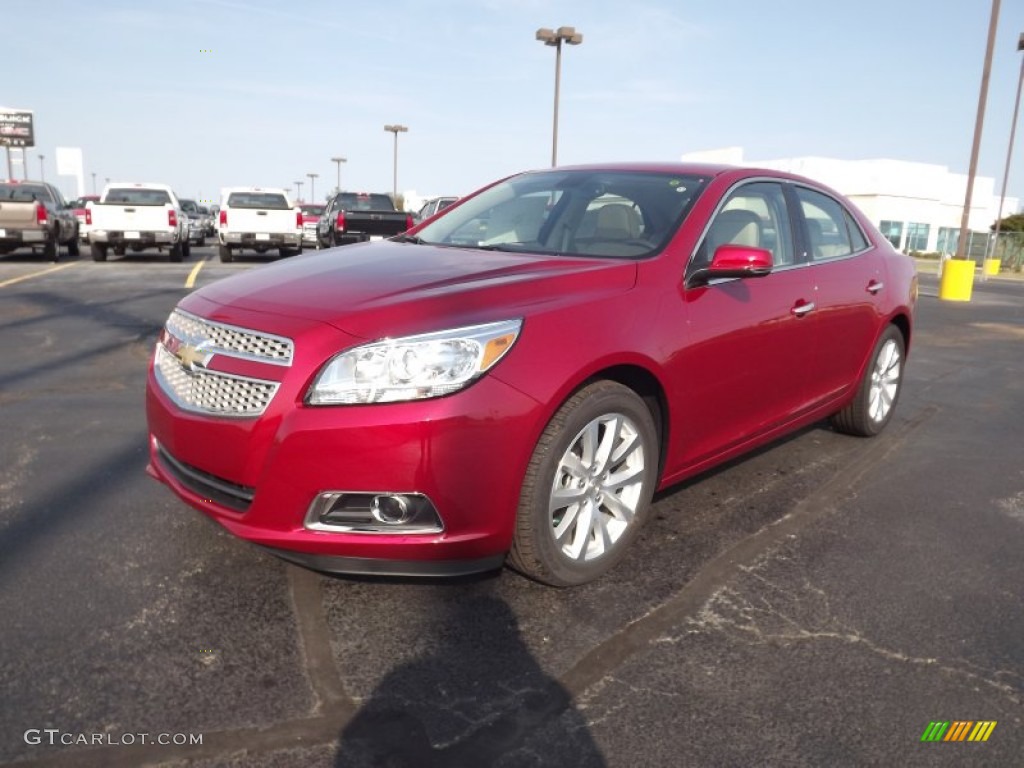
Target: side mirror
point(734, 261)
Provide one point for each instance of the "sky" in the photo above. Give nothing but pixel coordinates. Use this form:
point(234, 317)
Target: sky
point(205, 94)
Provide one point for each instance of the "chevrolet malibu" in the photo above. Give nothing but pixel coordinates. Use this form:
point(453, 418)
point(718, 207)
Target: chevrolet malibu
point(511, 381)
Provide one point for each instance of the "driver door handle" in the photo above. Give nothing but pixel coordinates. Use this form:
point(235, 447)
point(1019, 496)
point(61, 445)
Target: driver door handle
point(802, 307)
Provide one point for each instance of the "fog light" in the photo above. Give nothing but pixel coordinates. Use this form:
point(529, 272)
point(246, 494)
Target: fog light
point(392, 510)
point(348, 512)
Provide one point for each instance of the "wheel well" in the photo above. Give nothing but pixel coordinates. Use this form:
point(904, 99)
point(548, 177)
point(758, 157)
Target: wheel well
point(650, 391)
point(903, 323)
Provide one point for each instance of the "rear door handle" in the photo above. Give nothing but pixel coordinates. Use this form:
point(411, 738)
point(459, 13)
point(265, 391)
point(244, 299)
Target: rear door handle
point(802, 307)
point(875, 286)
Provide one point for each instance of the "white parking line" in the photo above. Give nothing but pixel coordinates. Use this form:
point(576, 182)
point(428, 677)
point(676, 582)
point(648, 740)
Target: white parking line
point(190, 282)
point(30, 275)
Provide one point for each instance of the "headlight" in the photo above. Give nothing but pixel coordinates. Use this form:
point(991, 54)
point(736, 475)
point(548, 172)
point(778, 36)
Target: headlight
point(413, 367)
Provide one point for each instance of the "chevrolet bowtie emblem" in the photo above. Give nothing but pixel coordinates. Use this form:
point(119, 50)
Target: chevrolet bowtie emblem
point(191, 356)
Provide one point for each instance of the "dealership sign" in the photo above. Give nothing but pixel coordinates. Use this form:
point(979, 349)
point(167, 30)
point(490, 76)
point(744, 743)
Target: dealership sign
point(16, 128)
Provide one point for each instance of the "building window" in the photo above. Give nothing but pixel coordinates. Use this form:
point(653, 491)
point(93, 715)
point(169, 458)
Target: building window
point(948, 238)
point(917, 237)
point(892, 231)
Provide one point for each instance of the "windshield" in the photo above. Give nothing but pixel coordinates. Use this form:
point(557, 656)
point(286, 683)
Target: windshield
point(269, 200)
point(135, 196)
point(362, 201)
point(614, 214)
point(24, 193)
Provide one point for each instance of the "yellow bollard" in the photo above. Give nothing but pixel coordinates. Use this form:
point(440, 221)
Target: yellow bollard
point(992, 266)
point(957, 280)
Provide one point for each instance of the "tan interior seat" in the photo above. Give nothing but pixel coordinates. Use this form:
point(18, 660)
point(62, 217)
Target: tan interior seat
point(617, 221)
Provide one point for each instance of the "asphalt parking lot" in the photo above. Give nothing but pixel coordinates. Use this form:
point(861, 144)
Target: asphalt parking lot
point(819, 602)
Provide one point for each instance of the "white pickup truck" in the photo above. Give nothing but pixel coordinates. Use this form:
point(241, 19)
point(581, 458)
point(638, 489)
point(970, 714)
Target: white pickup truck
point(258, 219)
point(137, 216)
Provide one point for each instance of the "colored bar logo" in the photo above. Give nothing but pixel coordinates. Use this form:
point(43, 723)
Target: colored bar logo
point(958, 730)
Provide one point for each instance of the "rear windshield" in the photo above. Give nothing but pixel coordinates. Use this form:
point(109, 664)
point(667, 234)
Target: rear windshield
point(270, 200)
point(312, 210)
point(354, 201)
point(24, 193)
point(80, 202)
point(133, 196)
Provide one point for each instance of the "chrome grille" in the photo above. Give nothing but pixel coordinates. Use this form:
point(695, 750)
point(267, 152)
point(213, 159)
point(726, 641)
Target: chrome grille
point(211, 392)
point(238, 342)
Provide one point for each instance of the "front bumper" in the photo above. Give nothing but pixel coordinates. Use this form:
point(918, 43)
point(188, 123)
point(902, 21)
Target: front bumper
point(259, 477)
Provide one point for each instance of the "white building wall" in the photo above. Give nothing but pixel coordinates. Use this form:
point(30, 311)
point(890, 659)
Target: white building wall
point(889, 190)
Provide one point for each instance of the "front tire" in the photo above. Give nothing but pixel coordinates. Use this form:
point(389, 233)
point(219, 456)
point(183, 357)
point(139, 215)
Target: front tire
point(587, 488)
point(872, 407)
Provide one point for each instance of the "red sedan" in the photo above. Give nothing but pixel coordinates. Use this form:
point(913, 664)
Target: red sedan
point(512, 380)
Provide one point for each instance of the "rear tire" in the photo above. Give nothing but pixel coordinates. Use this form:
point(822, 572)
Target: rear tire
point(225, 254)
point(73, 249)
point(587, 488)
point(99, 251)
point(176, 252)
point(872, 407)
point(51, 250)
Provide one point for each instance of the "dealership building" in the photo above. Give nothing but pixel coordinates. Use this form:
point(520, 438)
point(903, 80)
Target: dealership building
point(917, 206)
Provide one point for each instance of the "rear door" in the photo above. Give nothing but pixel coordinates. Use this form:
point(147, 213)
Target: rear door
point(849, 283)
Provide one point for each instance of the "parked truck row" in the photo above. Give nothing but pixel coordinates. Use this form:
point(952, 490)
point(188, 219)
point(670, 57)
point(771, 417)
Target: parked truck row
point(140, 217)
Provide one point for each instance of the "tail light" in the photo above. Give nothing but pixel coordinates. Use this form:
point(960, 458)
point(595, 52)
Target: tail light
point(339, 223)
point(41, 215)
point(88, 217)
point(298, 219)
point(172, 218)
point(408, 221)
point(223, 218)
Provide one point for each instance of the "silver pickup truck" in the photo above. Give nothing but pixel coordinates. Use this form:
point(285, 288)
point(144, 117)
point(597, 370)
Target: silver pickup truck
point(34, 214)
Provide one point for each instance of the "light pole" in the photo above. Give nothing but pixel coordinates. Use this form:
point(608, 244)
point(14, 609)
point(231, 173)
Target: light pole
point(1009, 150)
point(556, 38)
point(298, 191)
point(338, 161)
point(312, 187)
point(94, 183)
point(395, 129)
point(42, 173)
point(979, 121)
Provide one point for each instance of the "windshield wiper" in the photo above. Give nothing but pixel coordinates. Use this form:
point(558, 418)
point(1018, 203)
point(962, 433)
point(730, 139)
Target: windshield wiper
point(414, 239)
point(513, 247)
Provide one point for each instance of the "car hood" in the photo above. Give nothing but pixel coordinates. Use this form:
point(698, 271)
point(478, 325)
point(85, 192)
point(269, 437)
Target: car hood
point(387, 289)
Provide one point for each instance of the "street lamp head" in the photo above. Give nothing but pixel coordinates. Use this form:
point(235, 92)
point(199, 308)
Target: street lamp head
point(547, 36)
point(1020, 42)
point(339, 160)
point(396, 129)
point(569, 35)
point(313, 175)
point(561, 35)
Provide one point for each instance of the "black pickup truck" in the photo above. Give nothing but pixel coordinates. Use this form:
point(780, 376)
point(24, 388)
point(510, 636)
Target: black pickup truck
point(353, 217)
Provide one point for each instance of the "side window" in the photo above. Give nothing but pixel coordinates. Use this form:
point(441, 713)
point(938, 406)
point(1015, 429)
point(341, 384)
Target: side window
point(857, 236)
point(828, 236)
point(754, 215)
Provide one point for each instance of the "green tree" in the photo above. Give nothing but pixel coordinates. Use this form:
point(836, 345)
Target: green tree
point(1013, 223)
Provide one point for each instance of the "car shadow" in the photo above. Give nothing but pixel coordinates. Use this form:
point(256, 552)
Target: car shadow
point(475, 697)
